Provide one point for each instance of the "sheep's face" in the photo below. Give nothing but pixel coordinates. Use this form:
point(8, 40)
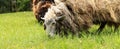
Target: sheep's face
point(52, 19)
point(50, 26)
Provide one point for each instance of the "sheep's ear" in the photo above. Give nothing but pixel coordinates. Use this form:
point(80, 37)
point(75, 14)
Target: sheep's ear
point(60, 18)
point(42, 18)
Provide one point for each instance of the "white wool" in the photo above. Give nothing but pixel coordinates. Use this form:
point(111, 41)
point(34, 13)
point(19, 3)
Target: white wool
point(57, 2)
point(53, 11)
point(50, 14)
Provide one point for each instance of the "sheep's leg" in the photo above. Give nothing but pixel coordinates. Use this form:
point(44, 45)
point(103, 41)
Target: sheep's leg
point(102, 26)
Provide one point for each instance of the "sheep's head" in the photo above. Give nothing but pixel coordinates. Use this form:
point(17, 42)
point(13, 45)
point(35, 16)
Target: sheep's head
point(52, 19)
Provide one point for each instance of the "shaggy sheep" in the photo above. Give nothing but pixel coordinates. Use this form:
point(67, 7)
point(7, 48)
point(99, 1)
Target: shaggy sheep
point(58, 19)
point(80, 15)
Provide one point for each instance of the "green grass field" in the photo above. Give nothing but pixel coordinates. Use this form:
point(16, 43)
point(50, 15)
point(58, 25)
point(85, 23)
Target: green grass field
point(21, 31)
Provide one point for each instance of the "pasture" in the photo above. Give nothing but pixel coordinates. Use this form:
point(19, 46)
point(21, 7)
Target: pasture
point(21, 30)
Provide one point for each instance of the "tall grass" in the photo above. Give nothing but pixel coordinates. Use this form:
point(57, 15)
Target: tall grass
point(20, 30)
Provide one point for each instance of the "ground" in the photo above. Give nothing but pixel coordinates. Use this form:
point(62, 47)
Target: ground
point(21, 30)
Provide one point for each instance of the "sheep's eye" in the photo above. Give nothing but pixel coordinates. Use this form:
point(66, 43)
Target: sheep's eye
point(59, 14)
point(53, 23)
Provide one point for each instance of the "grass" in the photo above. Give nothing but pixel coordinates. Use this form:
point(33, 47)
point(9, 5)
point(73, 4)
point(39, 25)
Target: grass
point(20, 30)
